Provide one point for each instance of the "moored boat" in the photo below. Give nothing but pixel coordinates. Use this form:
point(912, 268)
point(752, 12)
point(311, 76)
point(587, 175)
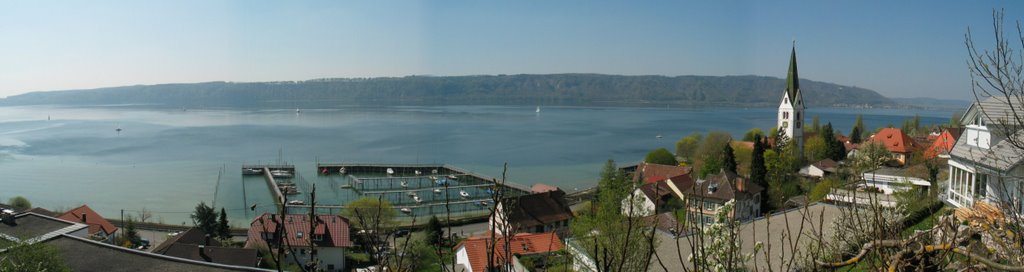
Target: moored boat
point(463, 193)
point(281, 173)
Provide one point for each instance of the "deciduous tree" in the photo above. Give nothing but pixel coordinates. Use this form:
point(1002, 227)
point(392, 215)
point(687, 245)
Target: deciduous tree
point(205, 218)
point(20, 202)
point(661, 156)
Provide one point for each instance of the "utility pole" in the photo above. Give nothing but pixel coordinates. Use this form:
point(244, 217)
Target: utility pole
point(122, 224)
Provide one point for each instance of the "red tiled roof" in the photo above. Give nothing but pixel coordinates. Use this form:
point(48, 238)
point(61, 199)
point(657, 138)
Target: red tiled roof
point(335, 230)
point(541, 188)
point(658, 191)
point(658, 172)
point(521, 244)
point(96, 222)
point(895, 140)
point(941, 145)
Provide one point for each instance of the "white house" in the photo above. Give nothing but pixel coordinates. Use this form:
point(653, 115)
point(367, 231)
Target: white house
point(648, 199)
point(819, 169)
point(984, 164)
point(890, 180)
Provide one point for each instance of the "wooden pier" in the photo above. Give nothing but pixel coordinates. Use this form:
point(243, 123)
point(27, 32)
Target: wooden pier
point(278, 196)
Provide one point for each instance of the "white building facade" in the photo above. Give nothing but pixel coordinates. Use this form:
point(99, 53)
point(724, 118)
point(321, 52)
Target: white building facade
point(791, 107)
point(984, 165)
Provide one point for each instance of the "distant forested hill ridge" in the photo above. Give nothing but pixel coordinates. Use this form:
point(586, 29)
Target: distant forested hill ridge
point(553, 89)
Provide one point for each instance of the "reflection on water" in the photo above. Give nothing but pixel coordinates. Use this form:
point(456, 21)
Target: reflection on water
point(168, 160)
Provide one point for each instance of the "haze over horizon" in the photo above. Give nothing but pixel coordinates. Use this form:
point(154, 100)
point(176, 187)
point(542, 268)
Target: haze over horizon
point(906, 49)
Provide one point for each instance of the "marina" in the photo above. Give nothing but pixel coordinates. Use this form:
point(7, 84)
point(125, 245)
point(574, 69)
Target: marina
point(412, 189)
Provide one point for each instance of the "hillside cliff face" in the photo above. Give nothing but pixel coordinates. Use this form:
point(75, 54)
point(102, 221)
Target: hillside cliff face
point(561, 89)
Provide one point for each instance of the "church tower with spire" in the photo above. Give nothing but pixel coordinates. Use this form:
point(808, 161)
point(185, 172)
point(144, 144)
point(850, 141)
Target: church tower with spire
point(791, 107)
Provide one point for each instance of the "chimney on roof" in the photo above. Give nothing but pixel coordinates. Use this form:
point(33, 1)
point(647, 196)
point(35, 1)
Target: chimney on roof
point(206, 240)
point(7, 217)
point(202, 252)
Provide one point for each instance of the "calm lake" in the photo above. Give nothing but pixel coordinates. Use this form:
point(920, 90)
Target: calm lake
point(167, 160)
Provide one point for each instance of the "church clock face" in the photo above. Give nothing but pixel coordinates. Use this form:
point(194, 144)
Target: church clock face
point(785, 123)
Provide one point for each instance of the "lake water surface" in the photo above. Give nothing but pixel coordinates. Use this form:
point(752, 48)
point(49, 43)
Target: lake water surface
point(167, 160)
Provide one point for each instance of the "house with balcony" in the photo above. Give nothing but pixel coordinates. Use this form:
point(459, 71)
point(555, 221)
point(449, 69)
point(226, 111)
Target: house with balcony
point(985, 163)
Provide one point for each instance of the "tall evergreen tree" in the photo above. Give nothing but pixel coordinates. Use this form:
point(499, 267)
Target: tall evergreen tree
point(758, 172)
point(859, 123)
point(223, 229)
point(816, 124)
point(836, 151)
point(855, 135)
point(728, 158)
point(435, 231)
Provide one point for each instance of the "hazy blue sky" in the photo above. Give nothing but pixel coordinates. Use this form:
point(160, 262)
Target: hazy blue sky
point(898, 48)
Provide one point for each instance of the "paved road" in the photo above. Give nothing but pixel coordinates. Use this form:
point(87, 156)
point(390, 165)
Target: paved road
point(154, 237)
point(470, 229)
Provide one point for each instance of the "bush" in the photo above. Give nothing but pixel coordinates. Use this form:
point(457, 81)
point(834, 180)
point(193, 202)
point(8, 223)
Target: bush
point(20, 202)
point(661, 156)
point(820, 190)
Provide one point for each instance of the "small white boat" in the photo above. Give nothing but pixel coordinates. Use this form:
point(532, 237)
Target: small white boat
point(418, 172)
point(483, 203)
point(406, 210)
point(437, 191)
point(341, 171)
point(417, 199)
point(659, 136)
point(405, 184)
point(538, 109)
point(452, 177)
point(296, 202)
point(463, 193)
point(391, 171)
point(297, 111)
point(433, 171)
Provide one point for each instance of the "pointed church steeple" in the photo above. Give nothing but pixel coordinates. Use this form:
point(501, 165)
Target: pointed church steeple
point(792, 80)
point(791, 106)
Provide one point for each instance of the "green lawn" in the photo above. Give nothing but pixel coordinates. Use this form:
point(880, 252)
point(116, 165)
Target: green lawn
point(927, 223)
